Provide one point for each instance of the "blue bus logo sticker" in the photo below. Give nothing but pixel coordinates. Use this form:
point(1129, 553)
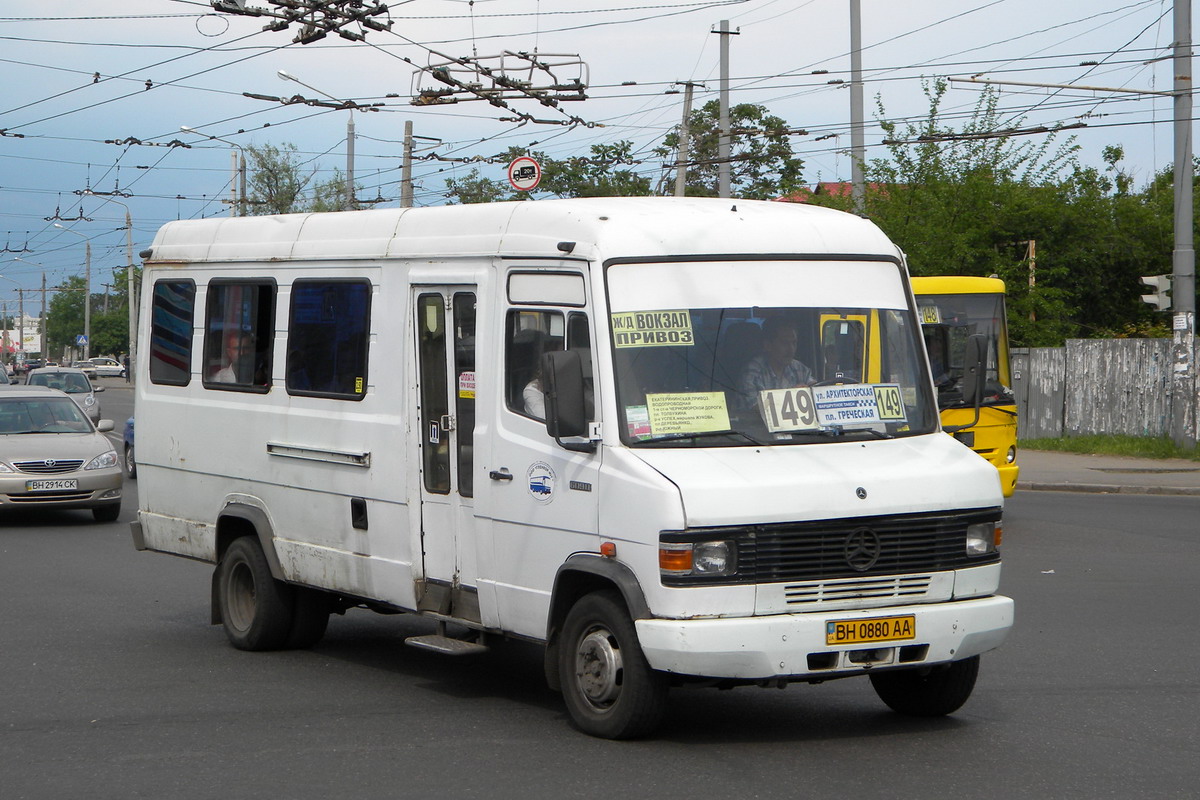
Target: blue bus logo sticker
point(540, 480)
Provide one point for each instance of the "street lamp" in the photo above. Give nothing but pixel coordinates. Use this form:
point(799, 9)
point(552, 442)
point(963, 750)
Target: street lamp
point(42, 319)
point(237, 171)
point(349, 203)
point(131, 289)
point(87, 292)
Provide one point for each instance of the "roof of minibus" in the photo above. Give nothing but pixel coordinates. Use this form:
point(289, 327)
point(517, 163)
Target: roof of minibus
point(957, 284)
point(598, 227)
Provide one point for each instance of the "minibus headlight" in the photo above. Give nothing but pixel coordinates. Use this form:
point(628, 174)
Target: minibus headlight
point(1011, 455)
point(712, 558)
point(981, 538)
point(699, 559)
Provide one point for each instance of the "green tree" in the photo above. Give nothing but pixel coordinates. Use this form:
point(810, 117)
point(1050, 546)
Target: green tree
point(762, 164)
point(279, 182)
point(474, 188)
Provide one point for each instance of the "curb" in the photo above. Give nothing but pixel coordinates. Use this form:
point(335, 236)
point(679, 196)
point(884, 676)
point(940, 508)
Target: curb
point(1100, 488)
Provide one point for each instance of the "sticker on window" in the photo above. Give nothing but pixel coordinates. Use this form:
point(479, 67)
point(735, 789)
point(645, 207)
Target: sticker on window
point(931, 315)
point(843, 405)
point(652, 329)
point(638, 420)
point(694, 412)
point(466, 385)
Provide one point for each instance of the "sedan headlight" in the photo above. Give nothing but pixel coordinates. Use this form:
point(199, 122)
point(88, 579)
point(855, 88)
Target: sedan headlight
point(109, 459)
point(90, 400)
point(981, 538)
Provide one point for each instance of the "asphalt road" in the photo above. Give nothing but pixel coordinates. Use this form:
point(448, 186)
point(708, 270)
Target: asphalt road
point(113, 685)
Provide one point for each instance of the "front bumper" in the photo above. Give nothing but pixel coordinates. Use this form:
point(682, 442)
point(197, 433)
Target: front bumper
point(793, 645)
point(94, 488)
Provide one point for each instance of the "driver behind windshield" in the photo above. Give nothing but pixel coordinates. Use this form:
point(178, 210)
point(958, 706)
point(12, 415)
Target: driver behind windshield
point(776, 367)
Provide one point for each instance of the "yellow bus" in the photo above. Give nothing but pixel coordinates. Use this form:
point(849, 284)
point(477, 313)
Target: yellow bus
point(952, 308)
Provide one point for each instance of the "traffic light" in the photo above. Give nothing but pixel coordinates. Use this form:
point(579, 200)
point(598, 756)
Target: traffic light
point(1161, 284)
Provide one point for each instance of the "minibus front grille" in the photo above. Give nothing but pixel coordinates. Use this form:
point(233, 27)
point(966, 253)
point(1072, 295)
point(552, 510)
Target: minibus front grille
point(858, 547)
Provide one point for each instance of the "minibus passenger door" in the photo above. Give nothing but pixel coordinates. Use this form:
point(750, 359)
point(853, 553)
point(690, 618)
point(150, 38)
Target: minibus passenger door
point(445, 330)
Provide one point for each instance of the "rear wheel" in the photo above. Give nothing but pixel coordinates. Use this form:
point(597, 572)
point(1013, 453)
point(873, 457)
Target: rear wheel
point(609, 688)
point(256, 609)
point(934, 692)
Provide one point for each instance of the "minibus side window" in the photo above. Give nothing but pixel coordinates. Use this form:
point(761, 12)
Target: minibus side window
point(464, 369)
point(238, 334)
point(529, 334)
point(328, 334)
point(172, 311)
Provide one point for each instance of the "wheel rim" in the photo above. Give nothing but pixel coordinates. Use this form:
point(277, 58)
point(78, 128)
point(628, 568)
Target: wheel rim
point(239, 596)
point(599, 668)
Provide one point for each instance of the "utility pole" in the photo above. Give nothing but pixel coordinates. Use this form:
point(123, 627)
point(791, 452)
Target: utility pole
point(350, 160)
point(858, 148)
point(1183, 258)
point(685, 133)
point(724, 134)
point(406, 186)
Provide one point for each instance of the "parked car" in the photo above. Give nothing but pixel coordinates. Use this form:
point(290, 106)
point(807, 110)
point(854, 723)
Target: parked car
point(72, 381)
point(108, 367)
point(52, 456)
point(86, 367)
point(130, 460)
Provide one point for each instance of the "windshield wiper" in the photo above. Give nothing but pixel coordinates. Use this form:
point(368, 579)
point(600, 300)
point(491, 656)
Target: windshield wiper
point(679, 437)
point(840, 432)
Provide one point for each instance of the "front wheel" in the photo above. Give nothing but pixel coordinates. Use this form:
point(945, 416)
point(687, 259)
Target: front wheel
point(934, 692)
point(609, 688)
point(130, 462)
point(256, 609)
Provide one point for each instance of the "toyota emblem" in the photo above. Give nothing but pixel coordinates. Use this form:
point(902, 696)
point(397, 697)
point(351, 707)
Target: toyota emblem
point(50, 462)
point(862, 549)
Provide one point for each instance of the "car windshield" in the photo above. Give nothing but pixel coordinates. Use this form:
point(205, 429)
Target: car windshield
point(69, 382)
point(948, 321)
point(739, 354)
point(41, 415)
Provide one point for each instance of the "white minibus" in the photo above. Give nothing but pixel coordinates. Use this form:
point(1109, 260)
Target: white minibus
point(675, 441)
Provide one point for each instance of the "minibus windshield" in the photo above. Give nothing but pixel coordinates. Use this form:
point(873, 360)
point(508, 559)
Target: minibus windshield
point(948, 321)
point(746, 353)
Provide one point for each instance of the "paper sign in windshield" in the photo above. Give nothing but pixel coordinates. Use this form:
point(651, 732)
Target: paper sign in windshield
point(652, 328)
point(847, 405)
point(931, 315)
point(694, 412)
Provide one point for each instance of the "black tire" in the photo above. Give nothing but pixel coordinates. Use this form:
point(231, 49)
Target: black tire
point(310, 617)
point(108, 513)
point(256, 609)
point(610, 690)
point(937, 692)
point(130, 463)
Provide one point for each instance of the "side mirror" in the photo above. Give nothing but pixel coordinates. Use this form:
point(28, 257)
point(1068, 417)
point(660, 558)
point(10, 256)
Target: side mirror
point(97, 387)
point(566, 412)
point(974, 377)
point(975, 369)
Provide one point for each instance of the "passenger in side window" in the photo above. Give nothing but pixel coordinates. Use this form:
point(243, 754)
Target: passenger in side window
point(239, 346)
point(535, 399)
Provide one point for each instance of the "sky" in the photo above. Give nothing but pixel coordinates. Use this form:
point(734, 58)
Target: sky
point(95, 94)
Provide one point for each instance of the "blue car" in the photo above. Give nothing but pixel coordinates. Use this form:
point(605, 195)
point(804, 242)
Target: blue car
point(130, 461)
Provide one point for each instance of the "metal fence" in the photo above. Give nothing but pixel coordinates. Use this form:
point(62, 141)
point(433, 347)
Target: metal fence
point(1110, 386)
